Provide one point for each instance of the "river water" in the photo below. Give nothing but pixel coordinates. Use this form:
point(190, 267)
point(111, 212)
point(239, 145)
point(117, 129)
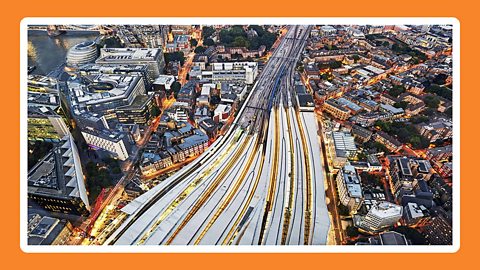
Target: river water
point(48, 53)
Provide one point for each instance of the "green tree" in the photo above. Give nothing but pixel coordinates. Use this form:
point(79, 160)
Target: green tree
point(440, 91)
point(401, 104)
point(362, 156)
point(429, 112)
point(207, 31)
point(432, 101)
point(116, 170)
point(352, 231)
point(155, 111)
point(193, 42)
point(200, 49)
point(268, 39)
point(240, 41)
point(343, 210)
point(175, 87)
point(419, 119)
point(175, 56)
point(448, 112)
point(396, 90)
point(225, 37)
point(300, 68)
point(208, 42)
point(260, 31)
point(372, 180)
point(440, 79)
point(335, 64)
point(378, 147)
point(383, 125)
point(355, 57)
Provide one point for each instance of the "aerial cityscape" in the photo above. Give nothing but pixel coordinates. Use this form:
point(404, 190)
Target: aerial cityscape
point(240, 135)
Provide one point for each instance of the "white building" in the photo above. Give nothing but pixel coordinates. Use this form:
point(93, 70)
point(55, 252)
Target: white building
point(349, 188)
point(82, 53)
point(245, 72)
point(327, 30)
point(111, 142)
point(163, 82)
point(341, 147)
point(179, 115)
point(222, 112)
point(381, 215)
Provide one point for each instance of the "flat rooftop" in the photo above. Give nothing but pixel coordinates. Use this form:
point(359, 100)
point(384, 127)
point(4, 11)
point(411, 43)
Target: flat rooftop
point(352, 181)
point(101, 88)
point(386, 209)
point(128, 54)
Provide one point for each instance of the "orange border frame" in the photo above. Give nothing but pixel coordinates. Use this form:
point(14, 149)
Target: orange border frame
point(13, 256)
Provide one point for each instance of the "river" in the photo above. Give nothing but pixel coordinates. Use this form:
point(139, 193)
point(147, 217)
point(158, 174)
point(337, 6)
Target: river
point(48, 53)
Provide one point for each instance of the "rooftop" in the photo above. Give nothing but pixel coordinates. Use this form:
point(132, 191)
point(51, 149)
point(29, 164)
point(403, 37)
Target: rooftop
point(344, 141)
point(128, 54)
point(45, 231)
point(352, 181)
point(164, 80)
point(385, 209)
point(101, 88)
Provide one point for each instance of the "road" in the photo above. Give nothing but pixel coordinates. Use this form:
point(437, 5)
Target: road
point(259, 184)
point(94, 221)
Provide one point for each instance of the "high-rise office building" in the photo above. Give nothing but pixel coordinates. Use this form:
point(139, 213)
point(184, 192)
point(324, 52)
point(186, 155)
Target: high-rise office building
point(56, 182)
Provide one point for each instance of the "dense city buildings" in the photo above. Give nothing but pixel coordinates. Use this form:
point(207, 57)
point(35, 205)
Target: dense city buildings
point(242, 135)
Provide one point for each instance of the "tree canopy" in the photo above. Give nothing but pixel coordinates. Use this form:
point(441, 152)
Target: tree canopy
point(396, 90)
point(404, 132)
point(200, 49)
point(331, 64)
point(208, 42)
point(440, 79)
point(440, 91)
point(193, 42)
point(175, 56)
point(352, 231)
point(401, 104)
point(236, 36)
point(432, 101)
point(175, 88)
point(155, 111)
point(207, 31)
point(401, 48)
